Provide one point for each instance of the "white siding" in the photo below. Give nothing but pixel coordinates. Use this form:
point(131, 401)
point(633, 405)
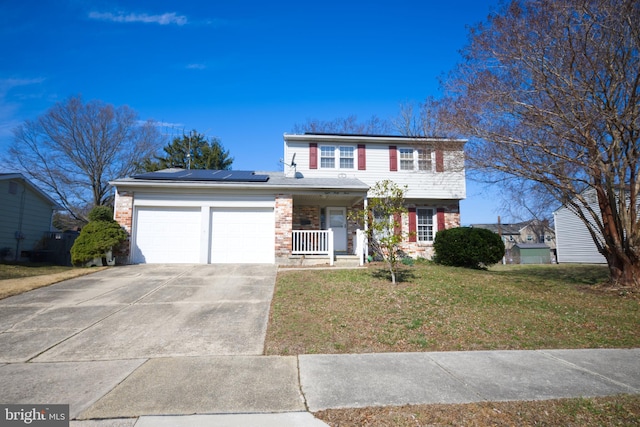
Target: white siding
point(421, 185)
point(573, 242)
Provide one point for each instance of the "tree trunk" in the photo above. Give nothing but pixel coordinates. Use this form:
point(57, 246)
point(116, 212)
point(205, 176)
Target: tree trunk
point(623, 272)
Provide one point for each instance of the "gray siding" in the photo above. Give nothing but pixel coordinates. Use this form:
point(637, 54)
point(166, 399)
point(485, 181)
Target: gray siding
point(33, 216)
point(573, 241)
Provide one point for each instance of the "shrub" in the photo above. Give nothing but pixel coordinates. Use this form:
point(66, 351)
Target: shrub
point(98, 237)
point(468, 247)
point(101, 213)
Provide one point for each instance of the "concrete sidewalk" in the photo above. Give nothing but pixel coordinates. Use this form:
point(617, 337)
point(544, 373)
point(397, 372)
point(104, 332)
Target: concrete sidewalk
point(278, 391)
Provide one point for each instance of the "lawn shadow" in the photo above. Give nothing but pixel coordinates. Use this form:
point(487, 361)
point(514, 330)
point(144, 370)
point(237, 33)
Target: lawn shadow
point(575, 274)
point(402, 275)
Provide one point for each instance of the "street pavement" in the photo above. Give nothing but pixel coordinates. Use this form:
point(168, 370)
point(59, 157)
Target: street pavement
point(181, 346)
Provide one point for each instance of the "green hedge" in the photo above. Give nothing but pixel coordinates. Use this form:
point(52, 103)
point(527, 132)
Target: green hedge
point(469, 247)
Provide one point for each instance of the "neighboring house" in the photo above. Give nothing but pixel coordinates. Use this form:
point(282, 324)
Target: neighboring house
point(574, 242)
point(532, 232)
point(26, 213)
point(194, 216)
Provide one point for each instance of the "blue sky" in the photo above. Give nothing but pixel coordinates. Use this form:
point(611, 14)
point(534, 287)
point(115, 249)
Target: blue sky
point(243, 71)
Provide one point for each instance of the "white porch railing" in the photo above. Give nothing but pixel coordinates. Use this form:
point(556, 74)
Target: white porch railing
point(360, 246)
point(313, 242)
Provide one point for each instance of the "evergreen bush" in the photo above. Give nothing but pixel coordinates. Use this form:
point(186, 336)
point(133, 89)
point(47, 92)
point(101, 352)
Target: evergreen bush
point(99, 236)
point(468, 247)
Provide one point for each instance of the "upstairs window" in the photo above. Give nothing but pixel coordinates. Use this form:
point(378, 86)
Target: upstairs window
point(424, 159)
point(406, 159)
point(414, 159)
point(327, 156)
point(344, 154)
point(346, 157)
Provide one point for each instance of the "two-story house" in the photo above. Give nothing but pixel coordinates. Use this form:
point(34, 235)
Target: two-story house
point(432, 169)
point(195, 216)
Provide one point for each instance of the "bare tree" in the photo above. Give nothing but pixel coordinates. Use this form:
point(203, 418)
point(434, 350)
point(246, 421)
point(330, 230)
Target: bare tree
point(550, 90)
point(76, 148)
point(347, 125)
point(425, 119)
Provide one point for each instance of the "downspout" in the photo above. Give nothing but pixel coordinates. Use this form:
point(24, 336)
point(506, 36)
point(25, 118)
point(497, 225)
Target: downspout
point(19, 236)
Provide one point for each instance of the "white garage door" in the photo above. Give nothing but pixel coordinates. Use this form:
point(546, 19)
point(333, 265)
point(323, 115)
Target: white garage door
point(167, 235)
point(242, 235)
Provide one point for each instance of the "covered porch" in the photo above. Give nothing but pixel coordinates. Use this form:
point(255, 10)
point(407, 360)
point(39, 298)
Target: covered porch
point(323, 231)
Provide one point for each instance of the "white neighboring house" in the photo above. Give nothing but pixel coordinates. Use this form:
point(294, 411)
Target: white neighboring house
point(190, 216)
point(574, 243)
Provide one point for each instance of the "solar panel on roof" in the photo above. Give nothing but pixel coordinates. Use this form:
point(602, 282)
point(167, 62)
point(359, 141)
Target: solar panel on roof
point(204, 175)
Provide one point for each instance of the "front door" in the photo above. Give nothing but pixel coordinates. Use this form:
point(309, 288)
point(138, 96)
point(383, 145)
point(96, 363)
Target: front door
point(338, 223)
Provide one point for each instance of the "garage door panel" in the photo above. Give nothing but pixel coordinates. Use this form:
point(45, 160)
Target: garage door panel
point(242, 235)
point(167, 235)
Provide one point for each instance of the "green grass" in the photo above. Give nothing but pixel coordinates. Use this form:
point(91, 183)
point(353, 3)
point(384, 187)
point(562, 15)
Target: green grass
point(443, 308)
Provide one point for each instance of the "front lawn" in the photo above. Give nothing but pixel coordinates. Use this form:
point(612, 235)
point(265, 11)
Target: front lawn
point(441, 308)
point(18, 278)
point(18, 271)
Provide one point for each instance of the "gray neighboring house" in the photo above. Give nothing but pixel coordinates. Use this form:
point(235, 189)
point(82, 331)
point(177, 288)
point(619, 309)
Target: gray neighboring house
point(573, 240)
point(528, 235)
point(26, 213)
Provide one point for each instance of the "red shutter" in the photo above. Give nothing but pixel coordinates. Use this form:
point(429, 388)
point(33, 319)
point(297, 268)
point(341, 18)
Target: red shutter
point(362, 157)
point(441, 225)
point(439, 161)
point(393, 158)
point(313, 155)
point(397, 219)
point(412, 225)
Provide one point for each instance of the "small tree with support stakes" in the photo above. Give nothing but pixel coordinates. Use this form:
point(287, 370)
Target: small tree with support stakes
point(385, 208)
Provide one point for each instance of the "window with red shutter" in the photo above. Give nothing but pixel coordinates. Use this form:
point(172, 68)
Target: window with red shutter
point(362, 157)
point(313, 155)
point(393, 158)
point(412, 225)
point(439, 161)
point(441, 225)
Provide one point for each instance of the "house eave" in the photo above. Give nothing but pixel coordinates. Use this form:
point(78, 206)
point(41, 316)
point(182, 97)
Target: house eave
point(376, 139)
point(294, 187)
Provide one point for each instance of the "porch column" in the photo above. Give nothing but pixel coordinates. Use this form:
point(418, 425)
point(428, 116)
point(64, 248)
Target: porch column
point(284, 225)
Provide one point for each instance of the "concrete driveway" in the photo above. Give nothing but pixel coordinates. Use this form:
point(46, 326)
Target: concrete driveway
point(141, 311)
point(146, 339)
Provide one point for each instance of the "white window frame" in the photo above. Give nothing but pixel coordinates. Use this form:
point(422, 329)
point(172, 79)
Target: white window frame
point(327, 154)
point(342, 154)
point(406, 159)
point(412, 159)
point(348, 154)
point(423, 155)
point(429, 228)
